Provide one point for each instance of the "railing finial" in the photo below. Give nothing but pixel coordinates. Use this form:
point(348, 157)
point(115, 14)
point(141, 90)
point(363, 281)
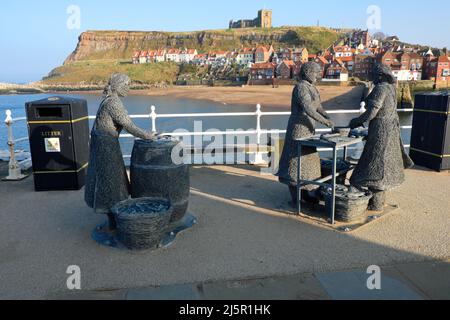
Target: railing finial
point(9, 118)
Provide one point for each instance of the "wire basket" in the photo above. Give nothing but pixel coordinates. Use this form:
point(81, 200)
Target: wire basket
point(142, 223)
point(350, 206)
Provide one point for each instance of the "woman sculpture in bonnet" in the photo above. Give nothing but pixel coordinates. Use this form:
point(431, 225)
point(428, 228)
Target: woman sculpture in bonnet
point(107, 180)
point(307, 110)
point(382, 164)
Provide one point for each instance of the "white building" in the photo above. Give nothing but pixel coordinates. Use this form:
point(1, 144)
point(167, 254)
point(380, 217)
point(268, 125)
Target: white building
point(160, 55)
point(342, 51)
point(173, 55)
point(245, 57)
point(407, 75)
point(188, 55)
point(143, 57)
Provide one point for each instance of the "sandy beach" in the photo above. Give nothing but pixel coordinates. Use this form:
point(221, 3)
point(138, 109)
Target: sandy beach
point(333, 97)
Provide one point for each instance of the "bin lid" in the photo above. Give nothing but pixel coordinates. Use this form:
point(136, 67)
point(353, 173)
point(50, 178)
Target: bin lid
point(56, 100)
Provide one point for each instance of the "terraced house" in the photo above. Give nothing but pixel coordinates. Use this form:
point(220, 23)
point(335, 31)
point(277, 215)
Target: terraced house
point(336, 70)
point(173, 55)
point(406, 66)
point(187, 55)
point(246, 56)
point(263, 54)
point(438, 68)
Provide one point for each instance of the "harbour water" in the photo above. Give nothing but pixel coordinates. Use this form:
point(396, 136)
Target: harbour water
point(137, 104)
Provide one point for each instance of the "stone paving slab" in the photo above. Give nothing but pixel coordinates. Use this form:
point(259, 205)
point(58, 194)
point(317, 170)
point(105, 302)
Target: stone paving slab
point(90, 295)
point(352, 285)
point(296, 287)
point(431, 278)
point(176, 292)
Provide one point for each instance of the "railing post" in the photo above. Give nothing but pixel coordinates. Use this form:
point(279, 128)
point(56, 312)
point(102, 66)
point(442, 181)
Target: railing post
point(153, 117)
point(14, 170)
point(258, 154)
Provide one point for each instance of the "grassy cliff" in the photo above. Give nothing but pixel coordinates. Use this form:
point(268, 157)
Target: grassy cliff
point(99, 53)
point(93, 72)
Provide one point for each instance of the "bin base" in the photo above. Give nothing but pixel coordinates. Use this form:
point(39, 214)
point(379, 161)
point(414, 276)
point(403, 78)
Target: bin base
point(16, 178)
point(111, 239)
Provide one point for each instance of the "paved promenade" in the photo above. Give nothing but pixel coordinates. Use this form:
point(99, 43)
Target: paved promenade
point(410, 281)
point(244, 240)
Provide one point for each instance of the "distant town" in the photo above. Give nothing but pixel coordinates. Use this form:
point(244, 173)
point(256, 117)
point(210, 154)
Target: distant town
point(352, 56)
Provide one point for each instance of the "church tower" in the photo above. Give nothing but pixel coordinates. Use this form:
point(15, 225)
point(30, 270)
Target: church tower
point(265, 19)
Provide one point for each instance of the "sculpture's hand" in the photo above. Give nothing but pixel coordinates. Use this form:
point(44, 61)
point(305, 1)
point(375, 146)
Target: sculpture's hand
point(150, 135)
point(355, 123)
point(329, 123)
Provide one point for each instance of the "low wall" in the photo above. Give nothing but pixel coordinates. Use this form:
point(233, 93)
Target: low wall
point(260, 82)
point(284, 82)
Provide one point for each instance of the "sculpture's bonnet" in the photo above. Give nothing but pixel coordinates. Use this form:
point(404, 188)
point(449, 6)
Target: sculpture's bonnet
point(382, 73)
point(119, 84)
point(309, 72)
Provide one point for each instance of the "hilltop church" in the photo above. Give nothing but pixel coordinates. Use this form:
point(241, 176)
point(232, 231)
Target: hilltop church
point(264, 20)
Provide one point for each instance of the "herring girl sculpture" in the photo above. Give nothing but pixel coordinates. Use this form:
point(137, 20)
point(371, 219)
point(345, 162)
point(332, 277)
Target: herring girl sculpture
point(382, 164)
point(107, 181)
point(306, 111)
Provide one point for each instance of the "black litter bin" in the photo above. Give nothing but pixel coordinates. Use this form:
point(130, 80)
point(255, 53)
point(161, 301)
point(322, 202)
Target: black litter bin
point(59, 141)
point(430, 138)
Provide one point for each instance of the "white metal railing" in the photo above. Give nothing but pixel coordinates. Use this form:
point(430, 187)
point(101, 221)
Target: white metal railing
point(15, 169)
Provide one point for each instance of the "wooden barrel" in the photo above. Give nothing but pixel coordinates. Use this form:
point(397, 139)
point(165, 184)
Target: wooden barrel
point(154, 174)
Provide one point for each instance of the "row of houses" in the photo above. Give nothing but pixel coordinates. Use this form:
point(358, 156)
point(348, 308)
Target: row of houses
point(357, 54)
point(406, 66)
point(161, 55)
point(354, 58)
point(243, 56)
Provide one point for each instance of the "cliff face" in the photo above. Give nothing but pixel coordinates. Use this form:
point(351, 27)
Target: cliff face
point(94, 45)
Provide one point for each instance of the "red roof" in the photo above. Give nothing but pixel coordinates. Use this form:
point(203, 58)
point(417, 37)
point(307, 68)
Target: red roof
point(342, 49)
point(246, 51)
point(289, 63)
point(346, 59)
point(443, 59)
point(173, 51)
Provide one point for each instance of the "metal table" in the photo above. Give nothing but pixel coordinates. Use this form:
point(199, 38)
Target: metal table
point(318, 142)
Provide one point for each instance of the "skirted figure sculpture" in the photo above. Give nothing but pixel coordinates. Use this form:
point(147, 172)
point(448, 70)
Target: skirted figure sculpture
point(384, 159)
point(306, 111)
point(107, 181)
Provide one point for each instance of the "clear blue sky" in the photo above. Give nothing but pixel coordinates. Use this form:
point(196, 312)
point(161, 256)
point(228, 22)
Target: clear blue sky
point(34, 37)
